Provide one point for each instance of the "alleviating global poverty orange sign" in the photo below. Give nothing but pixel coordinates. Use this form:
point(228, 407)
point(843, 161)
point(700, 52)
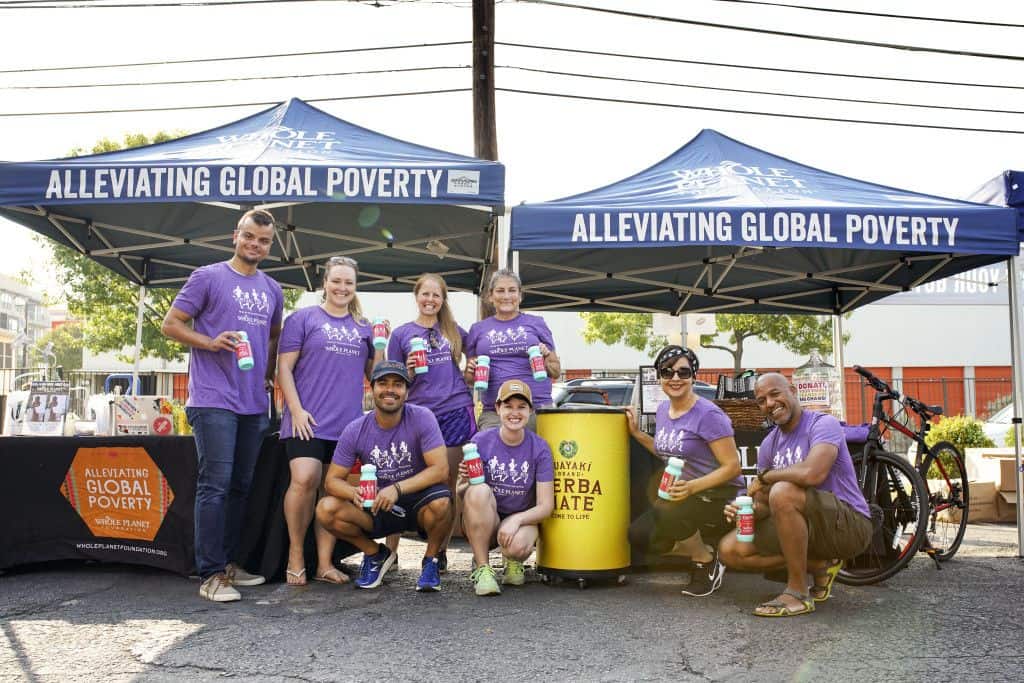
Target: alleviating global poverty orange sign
point(118, 492)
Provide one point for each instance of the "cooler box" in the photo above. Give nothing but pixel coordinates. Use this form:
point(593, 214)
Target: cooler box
point(587, 535)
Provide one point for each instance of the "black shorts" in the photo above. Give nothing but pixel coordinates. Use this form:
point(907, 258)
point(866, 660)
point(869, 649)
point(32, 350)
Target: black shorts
point(319, 449)
point(407, 519)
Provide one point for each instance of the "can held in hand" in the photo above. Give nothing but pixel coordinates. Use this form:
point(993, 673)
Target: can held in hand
point(482, 374)
point(243, 352)
point(380, 333)
point(418, 351)
point(368, 485)
point(673, 470)
point(540, 373)
point(745, 519)
point(474, 464)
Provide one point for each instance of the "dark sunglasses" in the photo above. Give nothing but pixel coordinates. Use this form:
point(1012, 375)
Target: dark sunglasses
point(669, 373)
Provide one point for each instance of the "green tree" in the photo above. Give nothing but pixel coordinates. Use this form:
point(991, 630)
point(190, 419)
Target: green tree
point(61, 346)
point(797, 333)
point(106, 302)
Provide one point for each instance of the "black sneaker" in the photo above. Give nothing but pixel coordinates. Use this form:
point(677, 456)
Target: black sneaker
point(706, 577)
point(442, 562)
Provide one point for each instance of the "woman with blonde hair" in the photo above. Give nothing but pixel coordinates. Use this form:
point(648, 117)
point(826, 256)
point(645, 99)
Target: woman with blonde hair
point(325, 351)
point(441, 389)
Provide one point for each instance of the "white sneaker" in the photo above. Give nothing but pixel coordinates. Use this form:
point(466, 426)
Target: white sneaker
point(239, 577)
point(218, 588)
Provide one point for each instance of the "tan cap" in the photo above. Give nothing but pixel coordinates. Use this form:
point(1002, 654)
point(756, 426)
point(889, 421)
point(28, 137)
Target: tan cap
point(515, 387)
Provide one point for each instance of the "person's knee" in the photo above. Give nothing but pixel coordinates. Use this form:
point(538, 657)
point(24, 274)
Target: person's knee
point(728, 550)
point(518, 549)
point(437, 511)
point(477, 501)
point(305, 480)
point(327, 510)
point(785, 496)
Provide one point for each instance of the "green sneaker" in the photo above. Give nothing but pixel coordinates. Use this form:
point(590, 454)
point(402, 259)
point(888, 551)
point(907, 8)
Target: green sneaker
point(484, 581)
point(515, 574)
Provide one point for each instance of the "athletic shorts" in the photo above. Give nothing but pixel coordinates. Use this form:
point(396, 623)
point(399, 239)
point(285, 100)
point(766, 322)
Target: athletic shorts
point(834, 529)
point(319, 449)
point(457, 426)
point(406, 518)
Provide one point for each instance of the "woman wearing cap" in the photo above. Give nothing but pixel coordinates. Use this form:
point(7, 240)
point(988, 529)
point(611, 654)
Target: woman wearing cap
point(442, 388)
point(518, 493)
point(697, 431)
point(325, 351)
point(506, 338)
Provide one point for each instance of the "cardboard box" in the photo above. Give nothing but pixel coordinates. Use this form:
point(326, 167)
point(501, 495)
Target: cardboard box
point(982, 504)
point(1007, 474)
point(1006, 506)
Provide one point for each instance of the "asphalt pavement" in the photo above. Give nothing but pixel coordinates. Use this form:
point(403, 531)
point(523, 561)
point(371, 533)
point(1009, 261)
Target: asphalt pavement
point(89, 622)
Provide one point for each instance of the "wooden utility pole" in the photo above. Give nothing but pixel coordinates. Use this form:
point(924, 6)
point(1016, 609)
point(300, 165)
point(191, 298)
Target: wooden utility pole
point(485, 137)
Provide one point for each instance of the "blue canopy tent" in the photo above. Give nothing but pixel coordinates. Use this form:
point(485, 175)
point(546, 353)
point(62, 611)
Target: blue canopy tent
point(723, 226)
point(153, 214)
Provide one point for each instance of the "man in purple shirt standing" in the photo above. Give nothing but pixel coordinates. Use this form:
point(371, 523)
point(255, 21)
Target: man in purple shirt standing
point(809, 510)
point(405, 445)
point(227, 406)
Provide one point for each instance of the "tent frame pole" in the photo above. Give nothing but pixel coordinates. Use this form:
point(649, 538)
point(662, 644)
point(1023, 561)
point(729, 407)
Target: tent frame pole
point(1018, 386)
point(839, 361)
point(138, 339)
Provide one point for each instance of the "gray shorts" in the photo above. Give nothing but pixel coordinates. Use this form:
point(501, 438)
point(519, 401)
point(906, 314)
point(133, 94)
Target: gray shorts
point(834, 529)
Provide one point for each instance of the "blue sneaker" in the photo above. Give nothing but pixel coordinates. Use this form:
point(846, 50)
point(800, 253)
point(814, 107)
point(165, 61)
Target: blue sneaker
point(374, 567)
point(430, 577)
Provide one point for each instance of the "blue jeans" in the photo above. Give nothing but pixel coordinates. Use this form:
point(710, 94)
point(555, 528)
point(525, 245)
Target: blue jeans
point(228, 445)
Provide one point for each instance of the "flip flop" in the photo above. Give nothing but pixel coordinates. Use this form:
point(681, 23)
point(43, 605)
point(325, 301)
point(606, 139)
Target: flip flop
point(334, 576)
point(822, 593)
point(299, 576)
point(777, 608)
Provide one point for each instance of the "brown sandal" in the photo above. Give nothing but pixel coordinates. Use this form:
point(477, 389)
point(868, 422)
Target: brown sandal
point(333, 575)
point(777, 608)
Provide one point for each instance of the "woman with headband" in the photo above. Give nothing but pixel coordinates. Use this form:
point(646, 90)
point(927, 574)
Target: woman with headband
point(324, 354)
point(696, 431)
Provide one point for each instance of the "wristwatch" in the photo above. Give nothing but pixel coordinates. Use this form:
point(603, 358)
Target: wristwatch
point(760, 476)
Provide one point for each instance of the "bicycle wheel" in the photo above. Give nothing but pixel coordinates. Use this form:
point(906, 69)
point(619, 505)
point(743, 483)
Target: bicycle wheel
point(948, 499)
point(898, 499)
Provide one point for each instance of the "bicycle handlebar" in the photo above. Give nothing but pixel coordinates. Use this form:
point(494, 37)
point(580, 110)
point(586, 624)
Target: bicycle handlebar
point(876, 384)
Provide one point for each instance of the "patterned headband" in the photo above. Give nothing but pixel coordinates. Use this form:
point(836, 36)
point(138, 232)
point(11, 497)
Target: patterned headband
point(670, 353)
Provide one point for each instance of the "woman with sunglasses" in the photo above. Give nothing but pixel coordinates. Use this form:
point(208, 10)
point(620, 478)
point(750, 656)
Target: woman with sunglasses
point(696, 431)
point(441, 389)
point(324, 353)
point(506, 337)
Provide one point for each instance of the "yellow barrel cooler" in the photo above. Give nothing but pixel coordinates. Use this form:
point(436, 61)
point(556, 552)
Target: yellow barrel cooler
point(587, 535)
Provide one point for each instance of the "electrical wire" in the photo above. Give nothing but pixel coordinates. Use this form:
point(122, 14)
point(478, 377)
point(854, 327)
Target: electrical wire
point(208, 60)
point(783, 34)
point(230, 106)
point(880, 15)
point(751, 112)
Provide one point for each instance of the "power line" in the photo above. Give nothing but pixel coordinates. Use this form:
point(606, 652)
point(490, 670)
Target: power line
point(774, 93)
point(228, 80)
point(207, 60)
point(231, 106)
point(756, 67)
point(93, 4)
point(784, 34)
point(882, 15)
point(750, 112)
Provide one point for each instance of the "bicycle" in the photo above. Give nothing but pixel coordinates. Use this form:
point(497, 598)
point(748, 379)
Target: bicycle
point(942, 468)
point(896, 495)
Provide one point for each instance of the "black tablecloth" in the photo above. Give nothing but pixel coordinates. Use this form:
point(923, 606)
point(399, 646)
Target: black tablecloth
point(40, 522)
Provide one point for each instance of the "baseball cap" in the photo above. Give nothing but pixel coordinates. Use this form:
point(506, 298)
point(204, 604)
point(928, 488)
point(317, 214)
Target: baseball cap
point(515, 387)
point(389, 367)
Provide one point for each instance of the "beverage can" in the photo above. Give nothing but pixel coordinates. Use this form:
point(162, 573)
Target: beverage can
point(368, 485)
point(540, 373)
point(243, 352)
point(418, 352)
point(482, 374)
point(673, 470)
point(745, 519)
point(474, 464)
point(380, 333)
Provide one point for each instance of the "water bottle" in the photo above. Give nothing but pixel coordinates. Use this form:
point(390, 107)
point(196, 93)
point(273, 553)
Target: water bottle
point(474, 463)
point(482, 374)
point(540, 373)
point(745, 519)
point(673, 470)
point(368, 485)
point(380, 334)
point(243, 352)
point(418, 351)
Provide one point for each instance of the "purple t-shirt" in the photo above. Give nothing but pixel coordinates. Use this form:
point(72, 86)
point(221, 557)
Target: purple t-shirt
point(513, 471)
point(333, 353)
point(396, 452)
point(688, 436)
point(506, 342)
point(218, 298)
point(442, 389)
point(780, 450)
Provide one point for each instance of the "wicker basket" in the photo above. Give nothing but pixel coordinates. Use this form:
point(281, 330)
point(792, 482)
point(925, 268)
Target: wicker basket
point(743, 412)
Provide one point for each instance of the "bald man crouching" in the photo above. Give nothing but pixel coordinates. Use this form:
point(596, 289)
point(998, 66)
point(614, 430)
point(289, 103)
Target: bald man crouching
point(809, 510)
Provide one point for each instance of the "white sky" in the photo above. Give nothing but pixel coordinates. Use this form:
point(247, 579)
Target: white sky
point(551, 147)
